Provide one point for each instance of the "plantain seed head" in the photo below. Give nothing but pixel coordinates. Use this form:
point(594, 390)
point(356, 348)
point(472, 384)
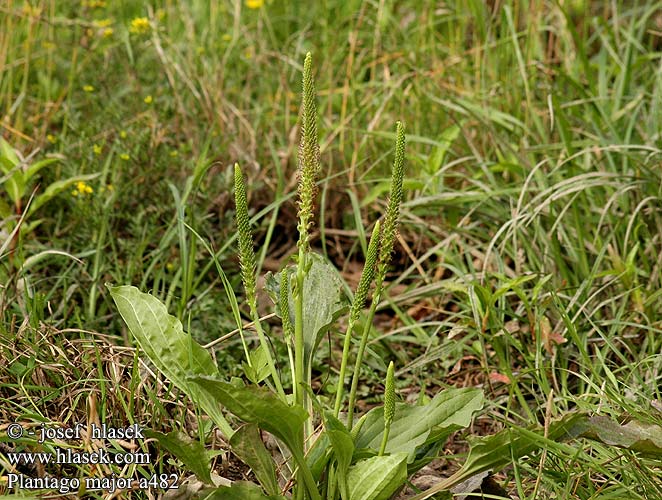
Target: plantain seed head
point(389, 395)
point(393, 208)
point(246, 253)
point(284, 305)
point(367, 275)
point(309, 161)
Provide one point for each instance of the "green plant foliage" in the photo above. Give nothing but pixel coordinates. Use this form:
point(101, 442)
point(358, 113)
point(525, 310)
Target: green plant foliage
point(247, 444)
point(633, 435)
point(393, 207)
point(386, 242)
point(324, 299)
point(173, 352)
point(494, 452)
point(342, 444)
point(368, 462)
point(241, 490)
point(19, 178)
point(261, 406)
point(377, 478)
point(529, 246)
point(192, 453)
point(413, 426)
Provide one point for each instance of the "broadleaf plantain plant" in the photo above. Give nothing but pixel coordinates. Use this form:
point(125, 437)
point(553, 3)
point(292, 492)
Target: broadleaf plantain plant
point(367, 460)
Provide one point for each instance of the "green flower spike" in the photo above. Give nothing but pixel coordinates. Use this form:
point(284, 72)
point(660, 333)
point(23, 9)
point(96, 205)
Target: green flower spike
point(284, 305)
point(246, 253)
point(309, 168)
point(393, 208)
point(387, 240)
point(309, 155)
point(360, 297)
point(389, 405)
point(247, 261)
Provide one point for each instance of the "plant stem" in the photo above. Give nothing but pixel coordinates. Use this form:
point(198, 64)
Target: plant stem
point(385, 249)
point(301, 375)
point(387, 430)
point(389, 406)
point(308, 479)
point(365, 281)
point(298, 333)
point(247, 260)
point(359, 360)
point(309, 168)
point(265, 346)
point(343, 368)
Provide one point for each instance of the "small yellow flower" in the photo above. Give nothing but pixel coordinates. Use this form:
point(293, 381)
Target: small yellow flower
point(148, 99)
point(254, 4)
point(88, 88)
point(31, 11)
point(82, 189)
point(107, 32)
point(110, 187)
point(174, 153)
point(97, 149)
point(124, 156)
point(226, 37)
point(200, 50)
point(170, 266)
point(139, 26)
point(51, 138)
point(123, 134)
point(248, 54)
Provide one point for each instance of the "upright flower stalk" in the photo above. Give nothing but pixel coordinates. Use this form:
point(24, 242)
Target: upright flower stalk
point(309, 167)
point(248, 269)
point(387, 241)
point(389, 406)
point(360, 297)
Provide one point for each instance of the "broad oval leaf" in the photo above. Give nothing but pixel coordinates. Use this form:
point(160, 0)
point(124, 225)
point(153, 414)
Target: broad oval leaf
point(412, 426)
point(173, 352)
point(377, 478)
point(324, 299)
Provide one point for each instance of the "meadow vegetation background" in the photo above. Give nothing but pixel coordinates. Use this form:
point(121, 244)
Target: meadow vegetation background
point(528, 260)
